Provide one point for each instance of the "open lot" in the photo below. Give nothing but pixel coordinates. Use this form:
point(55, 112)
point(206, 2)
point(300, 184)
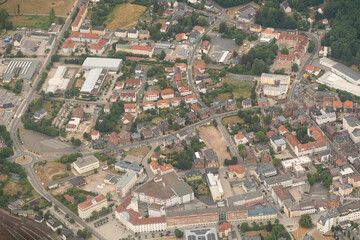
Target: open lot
point(94, 180)
point(231, 11)
point(45, 145)
point(138, 152)
point(13, 188)
point(51, 169)
point(243, 88)
point(318, 236)
point(219, 45)
point(215, 140)
point(231, 119)
point(130, 14)
point(61, 7)
point(113, 230)
point(30, 42)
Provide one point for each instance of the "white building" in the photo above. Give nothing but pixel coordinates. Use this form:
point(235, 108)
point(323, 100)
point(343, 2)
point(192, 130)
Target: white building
point(86, 208)
point(325, 117)
point(94, 81)
point(125, 183)
point(216, 189)
point(240, 139)
point(277, 143)
point(352, 125)
point(86, 164)
point(285, 180)
point(109, 64)
point(58, 82)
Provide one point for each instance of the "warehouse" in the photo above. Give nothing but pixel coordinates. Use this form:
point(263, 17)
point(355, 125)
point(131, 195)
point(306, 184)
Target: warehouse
point(109, 64)
point(20, 69)
point(94, 81)
point(58, 82)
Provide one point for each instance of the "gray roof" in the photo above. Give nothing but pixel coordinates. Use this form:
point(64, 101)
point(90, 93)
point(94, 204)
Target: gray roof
point(134, 166)
point(352, 121)
point(261, 211)
point(125, 179)
point(143, 31)
point(246, 101)
point(356, 132)
point(210, 155)
point(347, 71)
point(182, 189)
point(278, 179)
point(349, 208)
point(231, 201)
point(201, 234)
point(98, 28)
point(120, 30)
point(132, 31)
point(264, 169)
point(332, 213)
point(193, 172)
point(20, 69)
point(85, 161)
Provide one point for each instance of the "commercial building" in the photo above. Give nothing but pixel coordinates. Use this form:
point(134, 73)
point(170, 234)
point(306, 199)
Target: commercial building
point(86, 164)
point(352, 124)
point(125, 183)
point(296, 164)
point(278, 84)
point(166, 190)
point(342, 71)
point(277, 143)
point(261, 214)
point(58, 82)
point(94, 81)
point(216, 189)
point(20, 69)
point(109, 64)
point(285, 180)
point(201, 234)
point(86, 208)
point(246, 199)
point(121, 165)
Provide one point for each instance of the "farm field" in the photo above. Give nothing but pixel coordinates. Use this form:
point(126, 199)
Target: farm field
point(124, 16)
point(61, 7)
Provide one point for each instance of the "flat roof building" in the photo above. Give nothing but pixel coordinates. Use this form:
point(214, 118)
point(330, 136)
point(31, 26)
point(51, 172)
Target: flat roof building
point(94, 81)
point(110, 64)
point(20, 69)
point(86, 164)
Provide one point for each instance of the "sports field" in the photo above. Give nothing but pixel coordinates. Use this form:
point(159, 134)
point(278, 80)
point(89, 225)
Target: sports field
point(124, 16)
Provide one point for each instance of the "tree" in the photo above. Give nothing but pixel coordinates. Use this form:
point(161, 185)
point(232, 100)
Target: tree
point(284, 51)
point(244, 227)
point(162, 55)
point(311, 46)
point(267, 119)
point(206, 38)
point(18, 9)
point(178, 233)
point(223, 27)
point(305, 221)
point(295, 67)
point(52, 15)
point(260, 136)
point(276, 162)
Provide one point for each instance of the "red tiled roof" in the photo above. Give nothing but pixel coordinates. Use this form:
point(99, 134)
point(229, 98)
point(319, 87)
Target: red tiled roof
point(148, 103)
point(239, 136)
point(133, 82)
point(163, 101)
point(166, 167)
point(127, 94)
point(348, 104)
point(224, 226)
point(236, 168)
point(192, 96)
point(69, 198)
point(154, 165)
point(100, 45)
point(68, 44)
point(176, 99)
point(95, 133)
point(129, 105)
point(79, 15)
point(88, 203)
point(167, 91)
point(185, 89)
point(142, 48)
point(293, 141)
point(85, 35)
point(152, 93)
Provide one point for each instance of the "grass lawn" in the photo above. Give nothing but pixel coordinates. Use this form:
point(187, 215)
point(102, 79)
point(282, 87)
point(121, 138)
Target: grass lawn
point(243, 89)
point(61, 7)
point(231, 119)
point(41, 22)
point(13, 187)
point(124, 16)
point(155, 120)
point(223, 97)
point(138, 151)
point(48, 106)
point(263, 233)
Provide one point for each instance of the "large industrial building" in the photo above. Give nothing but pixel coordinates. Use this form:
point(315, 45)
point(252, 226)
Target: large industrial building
point(58, 82)
point(109, 64)
point(94, 81)
point(20, 69)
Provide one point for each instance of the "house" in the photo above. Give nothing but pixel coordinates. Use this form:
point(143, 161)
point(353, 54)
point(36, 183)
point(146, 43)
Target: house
point(246, 103)
point(262, 102)
point(135, 83)
point(130, 108)
point(205, 48)
point(199, 163)
point(191, 99)
point(200, 29)
point(217, 107)
point(95, 135)
point(39, 115)
point(224, 230)
point(68, 46)
point(127, 118)
point(163, 125)
point(144, 34)
point(132, 33)
point(152, 95)
point(149, 105)
point(165, 103)
point(230, 105)
point(113, 98)
point(125, 138)
point(240, 139)
point(175, 102)
point(99, 30)
point(235, 171)
point(119, 85)
point(128, 96)
point(211, 158)
point(185, 91)
point(193, 175)
point(99, 47)
point(114, 138)
point(167, 93)
point(120, 33)
point(53, 224)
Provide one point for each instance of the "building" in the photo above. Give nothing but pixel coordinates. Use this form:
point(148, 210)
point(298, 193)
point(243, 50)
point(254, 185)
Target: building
point(120, 33)
point(121, 165)
point(133, 33)
point(58, 82)
point(240, 139)
point(201, 234)
point(125, 183)
point(193, 175)
point(352, 124)
point(68, 47)
point(79, 37)
point(152, 95)
point(263, 171)
point(261, 214)
point(98, 30)
point(164, 103)
point(128, 215)
point(149, 105)
point(216, 189)
point(76, 24)
point(109, 64)
point(166, 190)
point(285, 180)
point(20, 69)
point(86, 208)
point(53, 224)
point(296, 165)
point(128, 96)
point(167, 93)
point(99, 47)
point(144, 34)
point(246, 199)
point(86, 164)
point(94, 81)
point(135, 49)
point(235, 171)
point(278, 84)
point(50, 42)
point(277, 143)
point(130, 108)
point(280, 194)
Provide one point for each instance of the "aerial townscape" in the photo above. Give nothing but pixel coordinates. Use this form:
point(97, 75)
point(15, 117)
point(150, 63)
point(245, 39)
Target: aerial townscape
point(180, 119)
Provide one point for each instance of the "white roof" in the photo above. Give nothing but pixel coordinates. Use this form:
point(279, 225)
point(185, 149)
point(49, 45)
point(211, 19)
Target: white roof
point(91, 79)
point(106, 63)
point(296, 161)
point(58, 82)
point(332, 80)
point(346, 171)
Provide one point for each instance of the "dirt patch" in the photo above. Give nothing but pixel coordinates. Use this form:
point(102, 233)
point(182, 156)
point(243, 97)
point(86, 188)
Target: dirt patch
point(130, 14)
point(23, 160)
point(254, 233)
point(95, 180)
point(300, 232)
point(3, 177)
point(51, 169)
point(215, 140)
point(318, 236)
point(231, 11)
point(138, 152)
point(62, 188)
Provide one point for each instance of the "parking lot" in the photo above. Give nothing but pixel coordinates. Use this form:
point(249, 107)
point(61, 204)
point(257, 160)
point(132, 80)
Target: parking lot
point(7, 114)
point(32, 45)
point(219, 45)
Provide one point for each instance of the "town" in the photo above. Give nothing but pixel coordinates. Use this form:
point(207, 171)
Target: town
point(167, 119)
